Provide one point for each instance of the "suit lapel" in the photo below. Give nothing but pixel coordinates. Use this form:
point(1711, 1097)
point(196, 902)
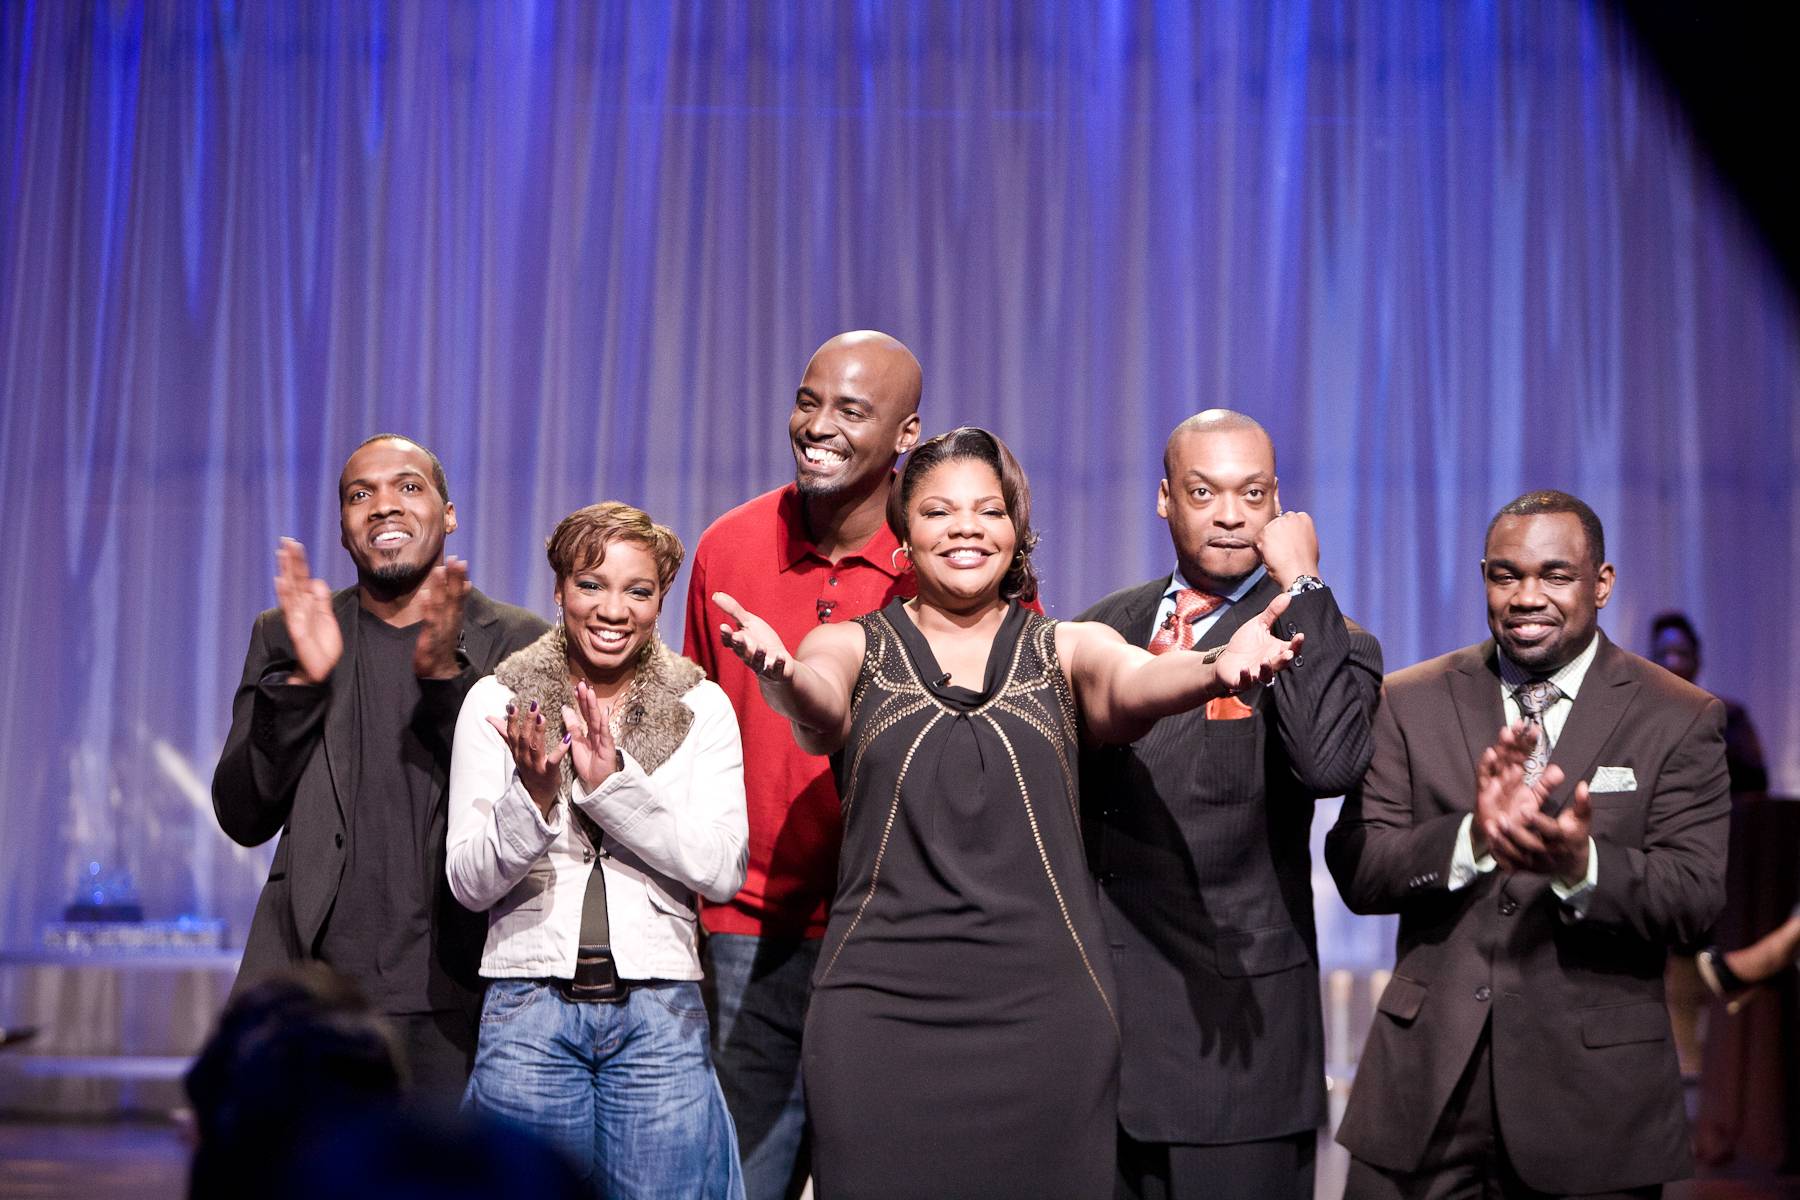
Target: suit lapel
point(1606, 692)
point(1133, 620)
point(1475, 691)
point(477, 637)
point(340, 718)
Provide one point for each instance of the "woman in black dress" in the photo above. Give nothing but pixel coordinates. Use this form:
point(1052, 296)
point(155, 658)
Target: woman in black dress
point(963, 1038)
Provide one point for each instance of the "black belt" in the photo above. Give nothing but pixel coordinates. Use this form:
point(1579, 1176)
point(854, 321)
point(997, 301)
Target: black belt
point(577, 993)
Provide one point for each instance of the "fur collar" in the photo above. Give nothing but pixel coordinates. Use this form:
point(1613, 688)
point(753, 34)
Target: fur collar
point(654, 721)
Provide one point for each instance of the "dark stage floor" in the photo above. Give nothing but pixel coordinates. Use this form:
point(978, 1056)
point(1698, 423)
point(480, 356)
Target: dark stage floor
point(148, 1161)
point(89, 1161)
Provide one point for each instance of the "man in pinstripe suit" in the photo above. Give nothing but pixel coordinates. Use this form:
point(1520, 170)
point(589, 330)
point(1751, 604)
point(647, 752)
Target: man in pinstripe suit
point(1198, 835)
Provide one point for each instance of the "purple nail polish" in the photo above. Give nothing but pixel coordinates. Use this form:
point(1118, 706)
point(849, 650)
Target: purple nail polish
point(534, 706)
point(510, 710)
point(565, 739)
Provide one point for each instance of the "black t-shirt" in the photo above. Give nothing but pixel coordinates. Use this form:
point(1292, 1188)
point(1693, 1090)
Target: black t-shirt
point(379, 931)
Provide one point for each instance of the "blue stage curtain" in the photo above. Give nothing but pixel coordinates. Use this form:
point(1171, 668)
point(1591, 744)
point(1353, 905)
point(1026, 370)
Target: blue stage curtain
point(1445, 252)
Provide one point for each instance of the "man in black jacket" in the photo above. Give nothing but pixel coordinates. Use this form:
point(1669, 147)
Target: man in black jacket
point(340, 741)
point(1198, 834)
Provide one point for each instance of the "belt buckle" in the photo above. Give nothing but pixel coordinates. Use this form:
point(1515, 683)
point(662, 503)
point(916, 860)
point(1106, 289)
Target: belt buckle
point(596, 980)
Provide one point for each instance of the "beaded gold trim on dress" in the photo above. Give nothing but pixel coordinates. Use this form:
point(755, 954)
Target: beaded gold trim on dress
point(890, 681)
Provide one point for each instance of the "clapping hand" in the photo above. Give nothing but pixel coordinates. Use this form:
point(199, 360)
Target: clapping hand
point(754, 642)
point(1510, 823)
point(539, 770)
point(305, 605)
point(590, 737)
point(1254, 654)
point(440, 601)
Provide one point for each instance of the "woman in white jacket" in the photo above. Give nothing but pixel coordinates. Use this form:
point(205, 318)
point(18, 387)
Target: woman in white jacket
point(596, 784)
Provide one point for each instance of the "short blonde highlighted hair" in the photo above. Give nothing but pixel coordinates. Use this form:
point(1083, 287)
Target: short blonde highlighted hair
point(581, 538)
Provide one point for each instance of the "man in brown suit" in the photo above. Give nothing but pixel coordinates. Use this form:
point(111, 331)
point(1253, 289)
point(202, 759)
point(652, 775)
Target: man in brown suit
point(1547, 813)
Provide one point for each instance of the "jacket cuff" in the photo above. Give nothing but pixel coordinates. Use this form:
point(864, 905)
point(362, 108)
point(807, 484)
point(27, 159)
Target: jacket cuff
point(620, 800)
point(523, 826)
point(1464, 866)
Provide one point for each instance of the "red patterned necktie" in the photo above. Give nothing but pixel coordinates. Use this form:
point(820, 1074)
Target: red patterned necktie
point(1177, 631)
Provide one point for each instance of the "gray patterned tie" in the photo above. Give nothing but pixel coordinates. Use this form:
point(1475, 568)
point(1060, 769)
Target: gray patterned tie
point(1535, 699)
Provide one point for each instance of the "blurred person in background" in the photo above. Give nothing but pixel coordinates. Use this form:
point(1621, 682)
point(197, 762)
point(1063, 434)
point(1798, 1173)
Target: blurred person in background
point(1675, 646)
point(296, 1049)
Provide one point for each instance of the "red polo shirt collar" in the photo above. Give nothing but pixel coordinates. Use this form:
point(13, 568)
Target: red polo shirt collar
point(792, 545)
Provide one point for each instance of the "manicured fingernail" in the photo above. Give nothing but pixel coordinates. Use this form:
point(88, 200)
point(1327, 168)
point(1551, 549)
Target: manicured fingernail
point(565, 739)
point(510, 710)
point(534, 706)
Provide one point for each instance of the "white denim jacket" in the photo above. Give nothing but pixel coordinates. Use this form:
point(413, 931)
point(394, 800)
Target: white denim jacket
point(669, 834)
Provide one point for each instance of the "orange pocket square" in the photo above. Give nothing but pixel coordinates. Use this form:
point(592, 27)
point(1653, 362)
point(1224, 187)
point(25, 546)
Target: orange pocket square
point(1227, 708)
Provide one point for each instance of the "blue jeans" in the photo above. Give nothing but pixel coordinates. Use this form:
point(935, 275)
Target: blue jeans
point(626, 1091)
point(759, 990)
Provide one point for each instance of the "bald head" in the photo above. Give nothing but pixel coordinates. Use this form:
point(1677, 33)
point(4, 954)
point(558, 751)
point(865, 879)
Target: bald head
point(1218, 491)
point(881, 359)
point(1215, 420)
point(855, 412)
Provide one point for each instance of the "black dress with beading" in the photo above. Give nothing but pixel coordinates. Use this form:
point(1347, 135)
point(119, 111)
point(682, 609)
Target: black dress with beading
point(962, 1038)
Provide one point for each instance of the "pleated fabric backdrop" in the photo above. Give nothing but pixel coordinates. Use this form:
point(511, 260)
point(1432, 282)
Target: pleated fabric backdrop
point(1445, 253)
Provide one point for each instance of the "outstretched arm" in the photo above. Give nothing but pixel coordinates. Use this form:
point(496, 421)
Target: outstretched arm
point(812, 687)
point(1123, 690)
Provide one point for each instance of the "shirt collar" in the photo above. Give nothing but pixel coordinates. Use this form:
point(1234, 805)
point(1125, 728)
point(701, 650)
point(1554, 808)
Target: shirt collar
point(793, 546)
point(1177, 581)
point(1567, 678)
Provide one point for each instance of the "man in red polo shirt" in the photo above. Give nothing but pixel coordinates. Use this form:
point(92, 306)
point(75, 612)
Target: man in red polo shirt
point(816, 550)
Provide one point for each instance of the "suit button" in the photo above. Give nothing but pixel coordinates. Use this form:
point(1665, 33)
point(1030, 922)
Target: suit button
point(340, 841)
point(1508, 907)
point(1482, 993)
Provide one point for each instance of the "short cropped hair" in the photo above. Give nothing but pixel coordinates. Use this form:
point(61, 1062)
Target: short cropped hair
point(1020, 581)
point(437, 468)
point(1549, 500)
point(1673, 619)
point(581, 539)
